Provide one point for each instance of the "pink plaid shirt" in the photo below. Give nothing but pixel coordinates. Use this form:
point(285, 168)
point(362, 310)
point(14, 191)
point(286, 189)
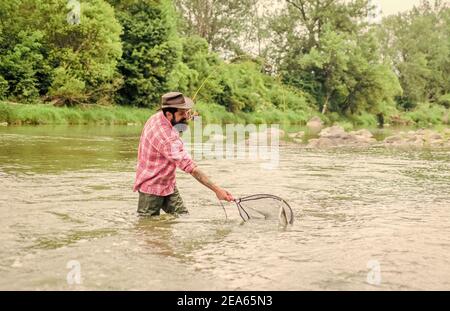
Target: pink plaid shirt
point(161, 151)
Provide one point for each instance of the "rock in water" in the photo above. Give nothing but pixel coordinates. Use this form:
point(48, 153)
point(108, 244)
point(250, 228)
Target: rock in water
point(315, 124)
point(419, 138)
point(336, 136)
point(333, 132)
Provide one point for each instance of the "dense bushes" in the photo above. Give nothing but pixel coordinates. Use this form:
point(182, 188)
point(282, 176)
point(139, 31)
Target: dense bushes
point(129, 52)
point(43, 56)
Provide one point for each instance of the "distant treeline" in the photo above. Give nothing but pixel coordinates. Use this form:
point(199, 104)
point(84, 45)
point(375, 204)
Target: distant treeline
point(332, 58)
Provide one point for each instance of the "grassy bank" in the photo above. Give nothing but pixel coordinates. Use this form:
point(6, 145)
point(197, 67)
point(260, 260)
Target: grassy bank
point(40, 114)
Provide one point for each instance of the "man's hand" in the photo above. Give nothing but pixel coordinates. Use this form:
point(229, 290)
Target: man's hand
point(221, 194)
point(224, 195)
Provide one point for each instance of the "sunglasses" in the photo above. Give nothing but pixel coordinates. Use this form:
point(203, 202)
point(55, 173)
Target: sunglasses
point(188, 114)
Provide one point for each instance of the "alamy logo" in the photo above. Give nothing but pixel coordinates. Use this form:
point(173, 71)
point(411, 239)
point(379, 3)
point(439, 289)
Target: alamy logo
point(74, 15)
point(74, 275)
point(234, 141)
point(374, 275)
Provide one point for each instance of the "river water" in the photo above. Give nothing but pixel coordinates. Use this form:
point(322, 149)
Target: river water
point(367, 219)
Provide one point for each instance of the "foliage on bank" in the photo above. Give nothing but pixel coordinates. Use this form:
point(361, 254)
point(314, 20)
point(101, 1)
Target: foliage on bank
point(127, 53)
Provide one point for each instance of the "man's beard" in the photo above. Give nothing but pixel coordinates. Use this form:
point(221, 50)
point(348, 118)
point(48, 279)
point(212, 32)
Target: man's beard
point(181, 125)
point(182, 121)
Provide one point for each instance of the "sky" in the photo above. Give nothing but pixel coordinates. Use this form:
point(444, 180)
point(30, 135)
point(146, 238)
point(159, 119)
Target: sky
point(388, 7)
point(395, 6)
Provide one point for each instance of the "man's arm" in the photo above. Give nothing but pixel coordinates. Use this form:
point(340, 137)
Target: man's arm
point(221, 194)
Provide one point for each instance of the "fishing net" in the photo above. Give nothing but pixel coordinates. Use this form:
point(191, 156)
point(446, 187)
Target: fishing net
point(265, 206)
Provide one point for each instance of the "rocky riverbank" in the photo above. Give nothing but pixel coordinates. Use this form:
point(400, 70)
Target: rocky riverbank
point(336, 136)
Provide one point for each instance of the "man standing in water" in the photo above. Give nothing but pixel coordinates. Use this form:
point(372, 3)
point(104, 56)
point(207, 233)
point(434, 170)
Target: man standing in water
point(161, 151)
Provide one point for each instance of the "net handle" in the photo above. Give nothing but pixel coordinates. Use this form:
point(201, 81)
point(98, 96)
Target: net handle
point(224, 210)
point(242, 210)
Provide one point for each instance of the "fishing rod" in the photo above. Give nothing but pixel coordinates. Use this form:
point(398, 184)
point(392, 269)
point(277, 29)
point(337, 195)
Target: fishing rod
point(211, 73)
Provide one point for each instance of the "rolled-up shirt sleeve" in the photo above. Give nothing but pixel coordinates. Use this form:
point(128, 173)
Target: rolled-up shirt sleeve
point(173, 150)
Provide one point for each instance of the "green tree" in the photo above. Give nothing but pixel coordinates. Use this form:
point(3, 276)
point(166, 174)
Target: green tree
point(3, 88)
point(151, 50)
point(302, 22)
point(221, 23)
point(22, 66)
point(417, 44)
point(69, 62)
point(326, 48)
point(22, 55)
point(348, 74)
point(196, 64)
point(298, 28)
